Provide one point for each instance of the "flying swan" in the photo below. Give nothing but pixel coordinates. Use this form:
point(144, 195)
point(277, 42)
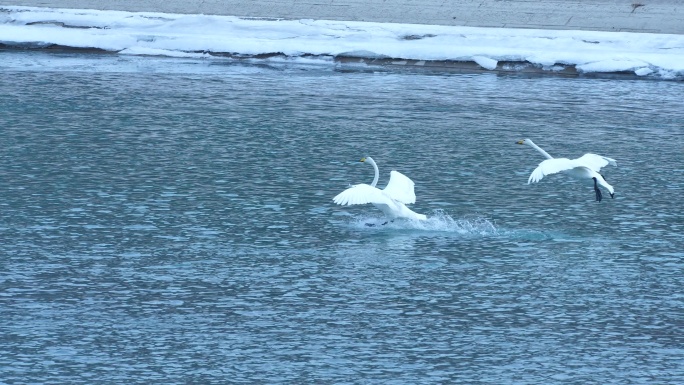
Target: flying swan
point(391, 200)
point(584, 167)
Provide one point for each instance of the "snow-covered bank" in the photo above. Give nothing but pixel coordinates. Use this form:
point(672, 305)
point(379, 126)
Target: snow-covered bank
point(653, 16)
point(216, 37)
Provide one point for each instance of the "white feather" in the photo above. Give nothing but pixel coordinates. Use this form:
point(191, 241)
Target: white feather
point(361, 194)
point(400, 188)
point(552, 166)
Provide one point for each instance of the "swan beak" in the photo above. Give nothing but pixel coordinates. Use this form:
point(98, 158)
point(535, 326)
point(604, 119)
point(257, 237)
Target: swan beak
point(362, 160)
point(519, 142)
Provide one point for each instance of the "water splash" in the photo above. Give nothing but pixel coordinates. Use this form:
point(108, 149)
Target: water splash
point(438, 222)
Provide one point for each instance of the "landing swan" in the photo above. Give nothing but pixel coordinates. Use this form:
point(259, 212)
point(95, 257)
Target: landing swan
point(391, 200)
point(586, 167)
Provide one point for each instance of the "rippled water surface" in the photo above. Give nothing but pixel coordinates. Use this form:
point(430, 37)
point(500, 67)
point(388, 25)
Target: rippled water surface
point(167, 221)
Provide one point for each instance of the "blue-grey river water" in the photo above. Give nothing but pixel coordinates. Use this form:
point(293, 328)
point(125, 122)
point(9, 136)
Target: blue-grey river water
point(170, 221)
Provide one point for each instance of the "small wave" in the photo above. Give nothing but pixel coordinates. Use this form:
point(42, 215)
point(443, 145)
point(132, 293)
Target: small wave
point(530, 235)
point(438, 222)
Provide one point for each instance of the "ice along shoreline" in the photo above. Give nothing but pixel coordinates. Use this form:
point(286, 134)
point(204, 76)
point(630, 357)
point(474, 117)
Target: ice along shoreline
point(388, 45)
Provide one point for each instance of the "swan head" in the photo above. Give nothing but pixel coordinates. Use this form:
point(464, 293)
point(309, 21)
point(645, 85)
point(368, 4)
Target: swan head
point(529, 142)
point(367, 159)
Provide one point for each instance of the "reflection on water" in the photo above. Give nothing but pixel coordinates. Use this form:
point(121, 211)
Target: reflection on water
point(178, 226)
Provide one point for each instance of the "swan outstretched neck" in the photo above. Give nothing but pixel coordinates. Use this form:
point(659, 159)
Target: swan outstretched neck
point(530, 143)
point(391, 200)
point(370, 160)
point(586, 167)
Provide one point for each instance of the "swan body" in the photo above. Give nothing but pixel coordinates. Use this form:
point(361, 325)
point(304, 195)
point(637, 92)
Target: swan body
point(391, 200)
point(586, 167)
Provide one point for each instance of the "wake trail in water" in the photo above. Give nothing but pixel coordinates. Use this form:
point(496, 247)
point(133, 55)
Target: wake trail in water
point(438, 222)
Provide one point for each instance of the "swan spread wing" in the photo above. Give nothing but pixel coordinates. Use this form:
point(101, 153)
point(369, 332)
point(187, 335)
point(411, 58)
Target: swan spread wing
point(595, 162)
point(591, 162)
point(551, 166)
point(400, 188)
point(361, 194)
